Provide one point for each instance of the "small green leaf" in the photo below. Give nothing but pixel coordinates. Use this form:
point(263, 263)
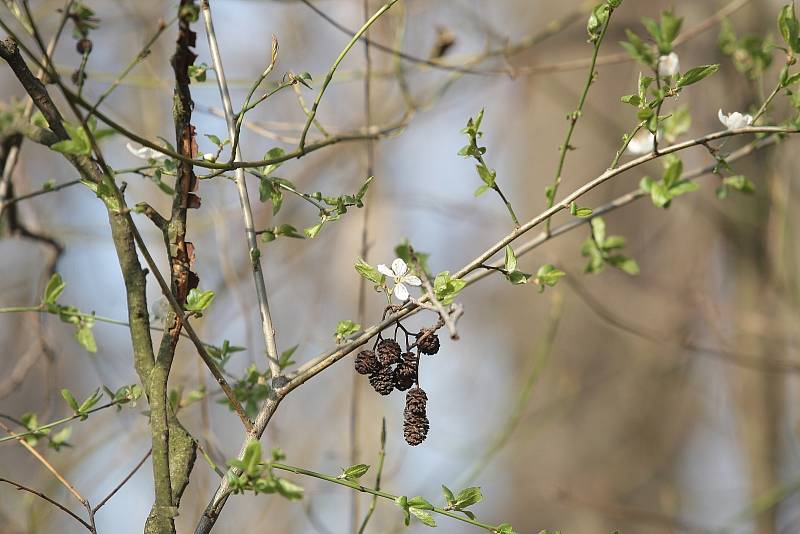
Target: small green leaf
point(290, 490)
point(285, 359)
point(273, 153)
point(345, 329)
point(511, 260)
point(70, 398)
point(214, 139)
point(696, 74)
point(84, 336)
point(789, 28)
point(312, 231)
point(548, 275)
point(625, 264)
point(578, 211)
point(55, 286)
point(425, 517)
point(739, 183)
point(197, 301)
point(368, 271)
point(354, 472)
point(467, 497)
point(448, 495)
point(89, 403)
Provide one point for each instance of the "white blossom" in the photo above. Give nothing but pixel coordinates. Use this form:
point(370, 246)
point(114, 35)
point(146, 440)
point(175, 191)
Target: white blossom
point(668, 65)
point(401, 276)
point(145, 152)
point(735, 120)
point(642, 143)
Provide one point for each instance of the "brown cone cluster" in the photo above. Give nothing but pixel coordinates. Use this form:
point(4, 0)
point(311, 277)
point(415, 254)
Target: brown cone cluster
point(389, 368)
point(415, 420)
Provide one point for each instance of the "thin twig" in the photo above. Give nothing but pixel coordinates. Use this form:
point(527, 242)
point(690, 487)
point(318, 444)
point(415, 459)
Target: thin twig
point(48, 499)
point(378, 473)
point(244, 200)
point(123, 481)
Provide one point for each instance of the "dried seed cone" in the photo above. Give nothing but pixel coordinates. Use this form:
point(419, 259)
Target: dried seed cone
point(366, 362)
point(430, 343)
point(415, 429)
point(416, 399)
point(382, 380)
point(388, 352)
point(405, 374)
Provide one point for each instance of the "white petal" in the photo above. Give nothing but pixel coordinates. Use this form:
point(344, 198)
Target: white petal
point(668, 65)
point(412, 280)
point(722, 118)
point(400, 268)
point(384, 270)
point(642, 143)
point(145, 152)
point(401, 292)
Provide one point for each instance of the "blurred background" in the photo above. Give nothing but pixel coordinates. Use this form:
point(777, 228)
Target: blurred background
point(664, 402)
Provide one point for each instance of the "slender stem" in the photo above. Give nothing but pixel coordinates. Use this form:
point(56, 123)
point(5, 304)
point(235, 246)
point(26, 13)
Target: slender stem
point(61, 421)
point(123, 481)
point(381, 457)
point(575, 115)
point(244, 200)
point(377, 493)
point(51, 501)
point(332, 70)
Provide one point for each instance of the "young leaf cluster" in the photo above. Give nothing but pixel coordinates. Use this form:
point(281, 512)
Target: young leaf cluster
point(670, 186)
point(601, 249)
point(257, 476)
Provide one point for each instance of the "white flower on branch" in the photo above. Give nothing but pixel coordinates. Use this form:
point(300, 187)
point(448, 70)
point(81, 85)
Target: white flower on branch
point(643, 142)
point(735, 120)
point(668, 65)
point(401, 276)
point(145, 152)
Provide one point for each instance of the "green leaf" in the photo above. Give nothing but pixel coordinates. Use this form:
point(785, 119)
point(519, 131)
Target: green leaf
point(198, 73)
point(354, 472)
point(578, 211)
point(518, 277)
point(290, 490)
point(548, 275)
point(448, 495)
point(70, 398)
point(488, 176)
point(55, 286)
point(60, 438)
point(214, 139)
point(84, 336)
point(683, 186)
point(447, 288)
point(599, 230)
point(673, 168)
point(670, 28)
point(285, 359)
point(197, 301)
point(312, 231)
point(425, 517)
point(368, 271)
point(789, 28)
point(660, 194)
point(739, 183)
point(467, 497)
point(633, 100)
point(637, 49)
point(288, 230)
point(78, 143)
point(696, 74)
point(625, 264)
point(273, 153)
point(252, 458)
point(481, 190)
point(597, 18)
point(511, 260)
point(89, 403)
point(505, 528)
point(345, 329)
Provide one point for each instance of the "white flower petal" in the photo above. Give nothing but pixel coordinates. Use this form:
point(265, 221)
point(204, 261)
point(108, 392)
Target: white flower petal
point(668, 65)
point(384, 270)
point(144, 152)
point(642, 143)
point(401, 292)
point(412, 280)
point(399, 267)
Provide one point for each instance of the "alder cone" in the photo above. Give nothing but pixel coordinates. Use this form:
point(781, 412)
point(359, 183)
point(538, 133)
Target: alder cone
point(405, 374)
point(382, 380)
point(429, 344)
point(366, 362)
point(388, 352)
point(416, 399)
point(415, 429)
